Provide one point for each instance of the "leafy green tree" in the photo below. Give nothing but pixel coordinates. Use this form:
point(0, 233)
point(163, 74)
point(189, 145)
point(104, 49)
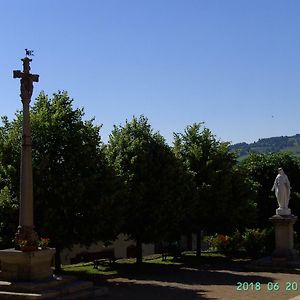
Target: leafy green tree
point(154, 183)
point(224, 199)
point(72, 181)
point(10, 143)
point(262, 170)
point(8, 217)
point(9, 204)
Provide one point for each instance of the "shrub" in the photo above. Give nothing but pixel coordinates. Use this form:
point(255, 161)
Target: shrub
point(236, 242)
point(254, 241)
point(224, 243)
point(269, 240)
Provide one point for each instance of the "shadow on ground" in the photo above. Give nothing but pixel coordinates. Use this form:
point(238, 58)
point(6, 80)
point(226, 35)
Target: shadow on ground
point(189, 279)
point(148, 291)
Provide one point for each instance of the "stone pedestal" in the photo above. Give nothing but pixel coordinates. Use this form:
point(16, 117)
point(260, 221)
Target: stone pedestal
point(284, 236)
point(283, 211)
point(26, 266)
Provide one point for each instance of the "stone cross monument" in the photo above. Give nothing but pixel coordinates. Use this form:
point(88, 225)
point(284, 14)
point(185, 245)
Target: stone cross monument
point(26, 227)
point(27, 274)
point(18, 264)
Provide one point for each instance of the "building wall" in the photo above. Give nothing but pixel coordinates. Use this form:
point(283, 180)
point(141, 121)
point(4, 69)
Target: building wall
point(119, 247)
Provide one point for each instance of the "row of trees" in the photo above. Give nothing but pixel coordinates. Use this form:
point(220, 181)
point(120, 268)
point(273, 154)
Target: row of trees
point(86, 191)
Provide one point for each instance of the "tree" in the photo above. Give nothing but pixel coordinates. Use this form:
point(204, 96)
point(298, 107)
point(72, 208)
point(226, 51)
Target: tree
point(9, 204)
point(8, 216)
point(223, 198)
point(153, 183)
point(72, 181)
point(262, 170)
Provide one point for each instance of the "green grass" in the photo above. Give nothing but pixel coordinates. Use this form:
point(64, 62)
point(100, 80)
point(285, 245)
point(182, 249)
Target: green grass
point(151, 264)
point(88, 269)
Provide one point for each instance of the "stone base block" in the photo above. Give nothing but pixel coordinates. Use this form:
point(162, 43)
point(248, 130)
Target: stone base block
point(283, 211)
point(287, 254)
point(57, 287)
point(284, 236)
point(17, 265)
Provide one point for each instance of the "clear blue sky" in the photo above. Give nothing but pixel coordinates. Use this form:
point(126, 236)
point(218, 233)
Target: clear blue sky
point(234, 64)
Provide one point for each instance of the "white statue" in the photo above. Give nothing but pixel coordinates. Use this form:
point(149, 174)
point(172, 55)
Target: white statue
point(282, 191)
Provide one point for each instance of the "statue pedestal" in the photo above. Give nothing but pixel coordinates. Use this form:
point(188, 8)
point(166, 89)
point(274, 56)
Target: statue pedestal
point(283, 211)
point(17, 265)
point(284, 236)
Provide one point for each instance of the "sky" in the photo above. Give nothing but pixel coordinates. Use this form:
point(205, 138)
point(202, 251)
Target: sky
point(233, 64)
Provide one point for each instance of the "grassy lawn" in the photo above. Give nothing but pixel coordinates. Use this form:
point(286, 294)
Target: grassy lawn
point(152, 265)
point(88, 269)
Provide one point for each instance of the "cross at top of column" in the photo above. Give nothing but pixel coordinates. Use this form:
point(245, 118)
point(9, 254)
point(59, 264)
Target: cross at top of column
point(26, 77)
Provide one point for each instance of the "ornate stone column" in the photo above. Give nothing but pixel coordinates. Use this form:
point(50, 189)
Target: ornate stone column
point(17, 265)
point(26, 226)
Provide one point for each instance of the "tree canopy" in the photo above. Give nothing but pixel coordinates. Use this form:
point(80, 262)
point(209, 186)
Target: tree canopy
point(85, 191)
point(223, 197)
point(262, 170)
point(72, 181)
point(153, 182)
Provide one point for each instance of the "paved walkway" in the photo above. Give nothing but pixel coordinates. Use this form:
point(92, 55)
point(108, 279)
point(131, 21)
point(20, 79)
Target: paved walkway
point(192, 284)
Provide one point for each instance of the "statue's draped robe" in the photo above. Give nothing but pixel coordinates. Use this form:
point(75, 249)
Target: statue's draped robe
point(282, 190)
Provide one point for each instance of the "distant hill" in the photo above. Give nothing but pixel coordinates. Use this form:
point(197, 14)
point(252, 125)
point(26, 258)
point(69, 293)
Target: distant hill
point(272, 144)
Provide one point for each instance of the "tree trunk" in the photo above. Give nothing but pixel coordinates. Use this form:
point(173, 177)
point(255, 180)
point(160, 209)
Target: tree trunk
point(198, 252)
point(139, 252)
point(57, 261)
point(189, 242)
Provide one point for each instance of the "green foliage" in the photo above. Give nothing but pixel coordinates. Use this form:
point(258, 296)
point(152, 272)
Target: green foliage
point(8, 217)
point(224, 196)
point(136, 183)
point(87, 271)
point(269, 240)
point(267, 145)
point(219, 242)
point(68, 153)
point(226, 244)
point(154, 181)
point(262, 170)
point(254, 242)
point(73, 185)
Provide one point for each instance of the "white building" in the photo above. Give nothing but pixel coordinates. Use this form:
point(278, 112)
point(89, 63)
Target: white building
point(121, 248)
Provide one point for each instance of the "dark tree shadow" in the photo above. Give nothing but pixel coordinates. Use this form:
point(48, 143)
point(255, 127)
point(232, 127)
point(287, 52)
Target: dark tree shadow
point(131, 291)
point(176, 281)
